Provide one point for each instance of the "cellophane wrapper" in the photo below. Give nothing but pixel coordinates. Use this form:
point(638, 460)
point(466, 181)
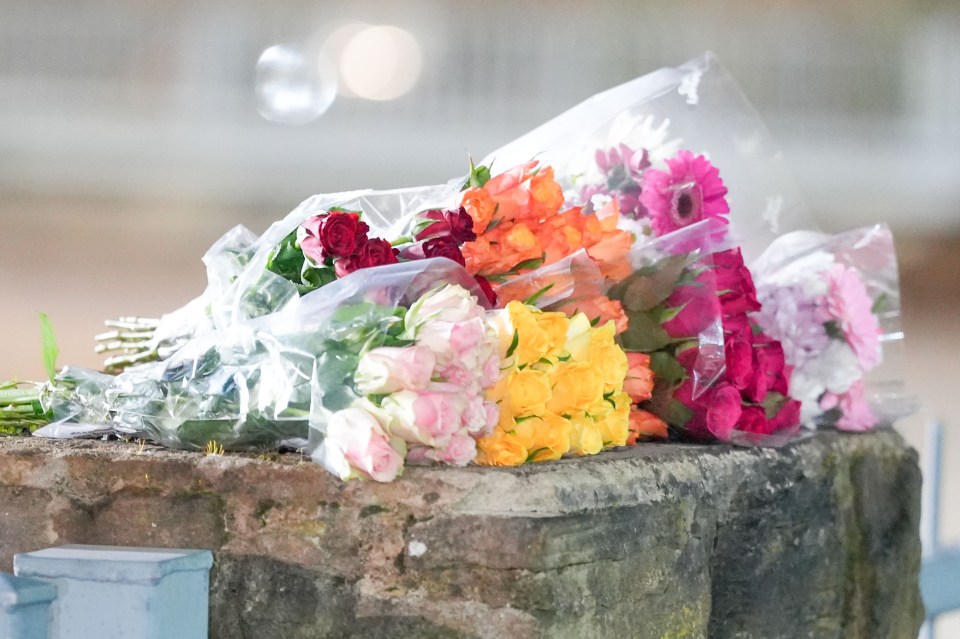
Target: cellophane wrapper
point(262, 367)
point(834, 303)
point(696, 106)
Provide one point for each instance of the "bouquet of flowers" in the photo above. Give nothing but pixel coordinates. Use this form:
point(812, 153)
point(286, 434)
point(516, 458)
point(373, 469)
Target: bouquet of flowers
point(594, 297)
point(833, 301)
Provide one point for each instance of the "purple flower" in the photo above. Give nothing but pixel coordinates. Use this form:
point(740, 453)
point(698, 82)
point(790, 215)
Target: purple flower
point(788, 315)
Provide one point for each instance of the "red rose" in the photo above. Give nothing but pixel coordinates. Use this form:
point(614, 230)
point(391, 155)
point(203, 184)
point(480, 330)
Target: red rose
point(724, 407)
point(487, 289)
point(739, 361)
point(435, 247)
point(457, 225)
point(734, 282)
point(699, 307)
point(336, 234)
point(787, 417)
point(769, 375)
point(342, 234)
point(754, 420)
point(375, 252)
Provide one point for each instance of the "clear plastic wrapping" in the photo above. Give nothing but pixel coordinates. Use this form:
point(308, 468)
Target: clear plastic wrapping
point(834, 303)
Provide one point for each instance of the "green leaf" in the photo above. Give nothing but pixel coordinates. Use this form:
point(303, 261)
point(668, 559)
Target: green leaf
point(528, 264)
point(532, 456)
point(532, 300)
point(664, 314)
point(287, 260)
point(644, 334)
point(651, 285)
point(479, 175)
point(667, 369)
point(48, 341)
point(879, 304)
point(670, 410)
point(834, 331)
point(514, 343)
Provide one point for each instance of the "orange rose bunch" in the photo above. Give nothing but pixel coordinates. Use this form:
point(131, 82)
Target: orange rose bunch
point(519, 225)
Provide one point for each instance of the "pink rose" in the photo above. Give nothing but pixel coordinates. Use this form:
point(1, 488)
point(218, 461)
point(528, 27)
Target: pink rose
point(459, 451)
point(466, 344)
point(428, 417)
point(389, 369)
point(355, 444)
point(479, 416)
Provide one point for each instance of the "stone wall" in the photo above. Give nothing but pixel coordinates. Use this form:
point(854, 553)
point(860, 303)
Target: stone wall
point(819, 539)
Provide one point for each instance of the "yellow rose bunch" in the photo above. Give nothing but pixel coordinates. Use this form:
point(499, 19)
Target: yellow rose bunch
point(560, 391)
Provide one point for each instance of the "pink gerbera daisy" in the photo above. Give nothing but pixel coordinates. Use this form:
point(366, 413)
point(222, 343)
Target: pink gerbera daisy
point(850, 306)
point(689, 192)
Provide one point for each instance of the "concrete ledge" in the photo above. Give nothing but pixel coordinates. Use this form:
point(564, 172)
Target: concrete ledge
point(819, 539)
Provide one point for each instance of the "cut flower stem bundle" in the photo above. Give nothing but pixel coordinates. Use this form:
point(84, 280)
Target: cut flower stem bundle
point(626, 272)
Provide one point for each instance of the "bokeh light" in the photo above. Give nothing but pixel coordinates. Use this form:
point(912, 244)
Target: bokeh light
point(294, 85)
point(379, 62)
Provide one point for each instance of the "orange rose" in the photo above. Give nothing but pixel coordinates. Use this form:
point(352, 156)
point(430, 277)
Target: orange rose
point(645, 424)
point(546, 196)
point(610, 254)
point(600, 309)
point(479, 206)
point(639, 381)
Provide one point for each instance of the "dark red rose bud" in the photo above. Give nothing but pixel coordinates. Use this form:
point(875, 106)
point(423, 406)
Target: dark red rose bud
point(455, 224)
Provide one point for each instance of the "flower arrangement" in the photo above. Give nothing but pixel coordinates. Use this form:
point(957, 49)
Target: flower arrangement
point(599, 296)
point(817, 303)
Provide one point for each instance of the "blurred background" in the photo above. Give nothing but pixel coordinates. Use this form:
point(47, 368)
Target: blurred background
point(133, 133)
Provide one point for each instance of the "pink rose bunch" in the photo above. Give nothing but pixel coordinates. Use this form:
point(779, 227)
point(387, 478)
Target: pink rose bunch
point(751, 396)
point(426, 396)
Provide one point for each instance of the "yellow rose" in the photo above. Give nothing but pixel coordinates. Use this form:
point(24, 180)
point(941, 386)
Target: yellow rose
point(500, 449)
point(578, 337)
point(614, 425)
point(576, 387)
point(535, 335)
point(608, 357)
point(555, 326)
point(528, 392)
point(549, 436)
point(585, 436)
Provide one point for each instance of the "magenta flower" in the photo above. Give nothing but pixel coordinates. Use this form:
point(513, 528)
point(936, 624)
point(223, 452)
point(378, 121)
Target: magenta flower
point(691, 191)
